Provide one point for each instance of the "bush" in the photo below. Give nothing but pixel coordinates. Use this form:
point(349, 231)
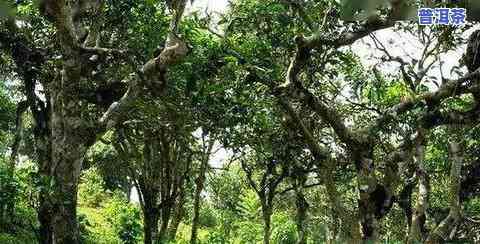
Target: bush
point(17, 217)
point(9, 239)
point(215, 237)
point(18, 238)
point(207, 216)
point(106, 217)
point(9, 187)
point(284, 229)
point(125, 219)
point(91, 190)
point(248, 232)
point(83, 223)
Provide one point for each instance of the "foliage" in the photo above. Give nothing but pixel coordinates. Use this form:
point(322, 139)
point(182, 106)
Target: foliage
point(91, 189)
point(17, 195)
point(106, 217)
point(301, 95)
point(284, 229)
point(124, 218)
point(9, 187)
point(248, 232)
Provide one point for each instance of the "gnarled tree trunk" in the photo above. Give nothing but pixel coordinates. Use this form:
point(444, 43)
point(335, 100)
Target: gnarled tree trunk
point(367, 185)
point(72, 135)
point(64, 212)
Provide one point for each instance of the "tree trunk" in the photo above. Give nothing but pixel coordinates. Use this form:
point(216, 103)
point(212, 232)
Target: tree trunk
point(72, 134)
point(178, 214)
point(151, 213)
point(65, 229)
point(68, 160)
point(200, 181)
point(44, 214)
point(405, 203)
point(267, 216)
point(45, 219)
point(150, 225)
point(177, 218)
point(166, 214)
point(418, 231)
point(301, 218)
point(446, 229)
point(367, 185)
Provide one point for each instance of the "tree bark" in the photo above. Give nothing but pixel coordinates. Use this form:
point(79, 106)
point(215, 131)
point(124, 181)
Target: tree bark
point(45, 219)
point(44, 215)
point(177, 218)
point(405, 203)
point(267, 217)
point(67, 158)
point(45, 230)
point(65, 229)
point(72, 135)
point(150, 226)
point(301, 218)
point(444, 230)
point(367, 185)
point(417, 229)
point(178, 212)
point(166, 215)
point(200, 181)
point(151, 213)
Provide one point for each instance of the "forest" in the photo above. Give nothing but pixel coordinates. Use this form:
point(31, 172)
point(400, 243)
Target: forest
point(261, 121)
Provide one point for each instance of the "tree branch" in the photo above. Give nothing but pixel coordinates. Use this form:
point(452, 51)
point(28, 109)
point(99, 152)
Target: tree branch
point(152, 71)
point(430, 99)
point(330, 115)
point(318, 152)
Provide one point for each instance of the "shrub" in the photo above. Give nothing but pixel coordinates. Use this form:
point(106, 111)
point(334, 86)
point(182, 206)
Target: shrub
point(125, 219)
point(248, 232)
point(215, 237)
point(82, 227)
point(207, 216)
point(91, 190)
point(284, 229)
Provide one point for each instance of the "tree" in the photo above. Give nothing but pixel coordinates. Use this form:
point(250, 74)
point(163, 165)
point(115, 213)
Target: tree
point(355, 135)
point(73, 129)
point(361, 142)
point(160, 163)
point(206, 151)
